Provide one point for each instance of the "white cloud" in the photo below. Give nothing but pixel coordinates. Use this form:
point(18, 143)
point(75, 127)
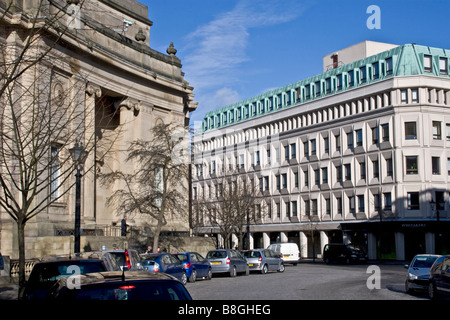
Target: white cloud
point(217, 50)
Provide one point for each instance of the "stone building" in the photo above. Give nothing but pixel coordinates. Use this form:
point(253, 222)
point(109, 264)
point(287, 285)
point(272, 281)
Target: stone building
point(356, 154)
point(105, 65)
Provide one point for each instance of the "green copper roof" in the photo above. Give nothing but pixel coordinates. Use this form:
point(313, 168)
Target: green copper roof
point(406, 60)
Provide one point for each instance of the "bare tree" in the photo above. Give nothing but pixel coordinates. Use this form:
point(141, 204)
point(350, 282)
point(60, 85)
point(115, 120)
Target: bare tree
point(158, 183)
point(232, 208)
point(42, 112)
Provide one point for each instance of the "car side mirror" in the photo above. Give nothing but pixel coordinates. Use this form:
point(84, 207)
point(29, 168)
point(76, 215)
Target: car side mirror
point(406, 266)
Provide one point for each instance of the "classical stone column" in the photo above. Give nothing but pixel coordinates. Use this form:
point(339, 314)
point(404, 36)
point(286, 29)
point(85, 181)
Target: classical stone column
point(92, 93)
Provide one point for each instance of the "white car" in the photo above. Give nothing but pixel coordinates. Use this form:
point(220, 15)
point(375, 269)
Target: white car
point(288, 251)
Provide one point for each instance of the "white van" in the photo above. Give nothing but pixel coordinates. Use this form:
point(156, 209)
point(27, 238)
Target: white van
point(288, 251)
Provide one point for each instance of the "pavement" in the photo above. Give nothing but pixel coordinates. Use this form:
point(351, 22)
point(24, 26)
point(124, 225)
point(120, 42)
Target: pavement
point(8, 290)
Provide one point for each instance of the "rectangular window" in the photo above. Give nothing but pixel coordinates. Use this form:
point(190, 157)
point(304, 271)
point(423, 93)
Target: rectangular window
point(306, 149)
point(350, 140)
point(443, 68)
point(317, 177)
point(348, 172)
point(376, 202)
point(376, 70)
point(437, 130)
point(327, 206)
point(294, 208)
point(415, 96)
point(389, 168)
point(313, 147)
point(427, 63)
point(314, 207)
point(448, 131)
point(326, 143)
point(359, 138)
point(361, 203)
point(339, 173)
point(404, 96)
point(284, 180)
point(375, 132)
point(413, 201)
point(351, 204)
point(411, 165)
point(376, 169)
point(362, 170)
point(387, 201)
point(339, 205)
point(435, 165)
point(351, 78)
point(389, 66)
point(286, 153)
point(338, 142)
point(306, 178)
point(296, 179)
point(363, 73)
point(385, 132)
point(410, 130)
point(293, 151)
point(448, 166)
point(325, 175)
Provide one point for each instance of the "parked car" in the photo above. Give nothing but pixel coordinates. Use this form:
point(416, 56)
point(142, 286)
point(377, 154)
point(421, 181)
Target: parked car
point(128, 259)
point(418, 275)
point(195, 265)
point(342, 253)
point(129, 285)
point(164, 262)
point(439, 283)
point(227, 261)
point(45, 273)
point(263, 260)
point(288, 251)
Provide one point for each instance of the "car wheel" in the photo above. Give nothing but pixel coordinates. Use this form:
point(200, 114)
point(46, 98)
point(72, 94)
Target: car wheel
point(432, 294)
point(281, 269)
point(193, 276)
point(209, 275)
point(264, 269)
point(184, 278)
point(233, 272)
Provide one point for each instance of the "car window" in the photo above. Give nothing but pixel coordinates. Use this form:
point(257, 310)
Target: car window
point(182, 257)
point(216, 255)
point(46, 273)
point(423, 262)
point(132, 291)
point(446, 265)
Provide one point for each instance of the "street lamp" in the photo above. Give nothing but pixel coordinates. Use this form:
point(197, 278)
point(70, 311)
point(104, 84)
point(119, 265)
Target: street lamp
point(78, 154)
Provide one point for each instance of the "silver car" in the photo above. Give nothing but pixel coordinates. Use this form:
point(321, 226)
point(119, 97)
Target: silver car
point(264, 260)
point(418, 275)
point(227, 261)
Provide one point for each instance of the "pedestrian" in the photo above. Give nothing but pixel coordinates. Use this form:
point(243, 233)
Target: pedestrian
point(149, 249)
point(124, 226)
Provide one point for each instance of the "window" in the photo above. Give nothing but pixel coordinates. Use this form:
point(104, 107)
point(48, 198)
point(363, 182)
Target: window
point(385, 132)
point(376, 202)
point(351, 78)
point(286, 153)
point(389, 168)
point(448, 166)
point(435, 165)
point(443, 69)
point(55, 173)
point(361, 203)
point(306, 177)
point(317, 88)
point(314, 207)
point(350, 140)
point(448, 131)
point(288, 209)
point(338, 142)
point(339, 173)
point(413, 201)
point(284, 180)
point(427, 63)
point(389, 66)
point(266, 183)
point(293, 151)
point(359, 138)
point(306, 149)
point(376, 70)
point(410, 130)
point(363, 73)
point(317, 177)
point(436, 130)
point(376, 169)
point(404, 96)
point(339, 204)
point(375, 135)
point(326, 144)
point(325, 175)
point(278, 178)
point(296, 179)
point(327, 206)
point(348, 172)
point(313, 147)
point(351, 204)
point(411, 165)
point(294, 208)
point(387, 201)
point(362, 170)
point(415, 96)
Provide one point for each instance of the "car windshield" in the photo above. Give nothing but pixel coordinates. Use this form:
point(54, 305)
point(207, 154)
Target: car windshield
point(252, 254)
point(131, 291)
point(49, 273)
point(216, 255)
point(423, 262)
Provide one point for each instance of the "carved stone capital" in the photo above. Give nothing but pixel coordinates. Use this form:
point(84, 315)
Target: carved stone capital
point(129, 103)
point(92, 89)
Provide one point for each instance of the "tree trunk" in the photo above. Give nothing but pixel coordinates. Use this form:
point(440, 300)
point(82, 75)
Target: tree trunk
point(21, 240)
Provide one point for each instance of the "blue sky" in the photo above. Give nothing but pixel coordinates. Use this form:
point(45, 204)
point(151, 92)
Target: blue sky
point(232, 50)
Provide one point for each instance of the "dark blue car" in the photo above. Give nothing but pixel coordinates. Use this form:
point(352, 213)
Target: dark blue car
point(164, 262)
point(195, 265)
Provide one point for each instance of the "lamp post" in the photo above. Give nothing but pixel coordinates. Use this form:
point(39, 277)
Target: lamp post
point(78, 154)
